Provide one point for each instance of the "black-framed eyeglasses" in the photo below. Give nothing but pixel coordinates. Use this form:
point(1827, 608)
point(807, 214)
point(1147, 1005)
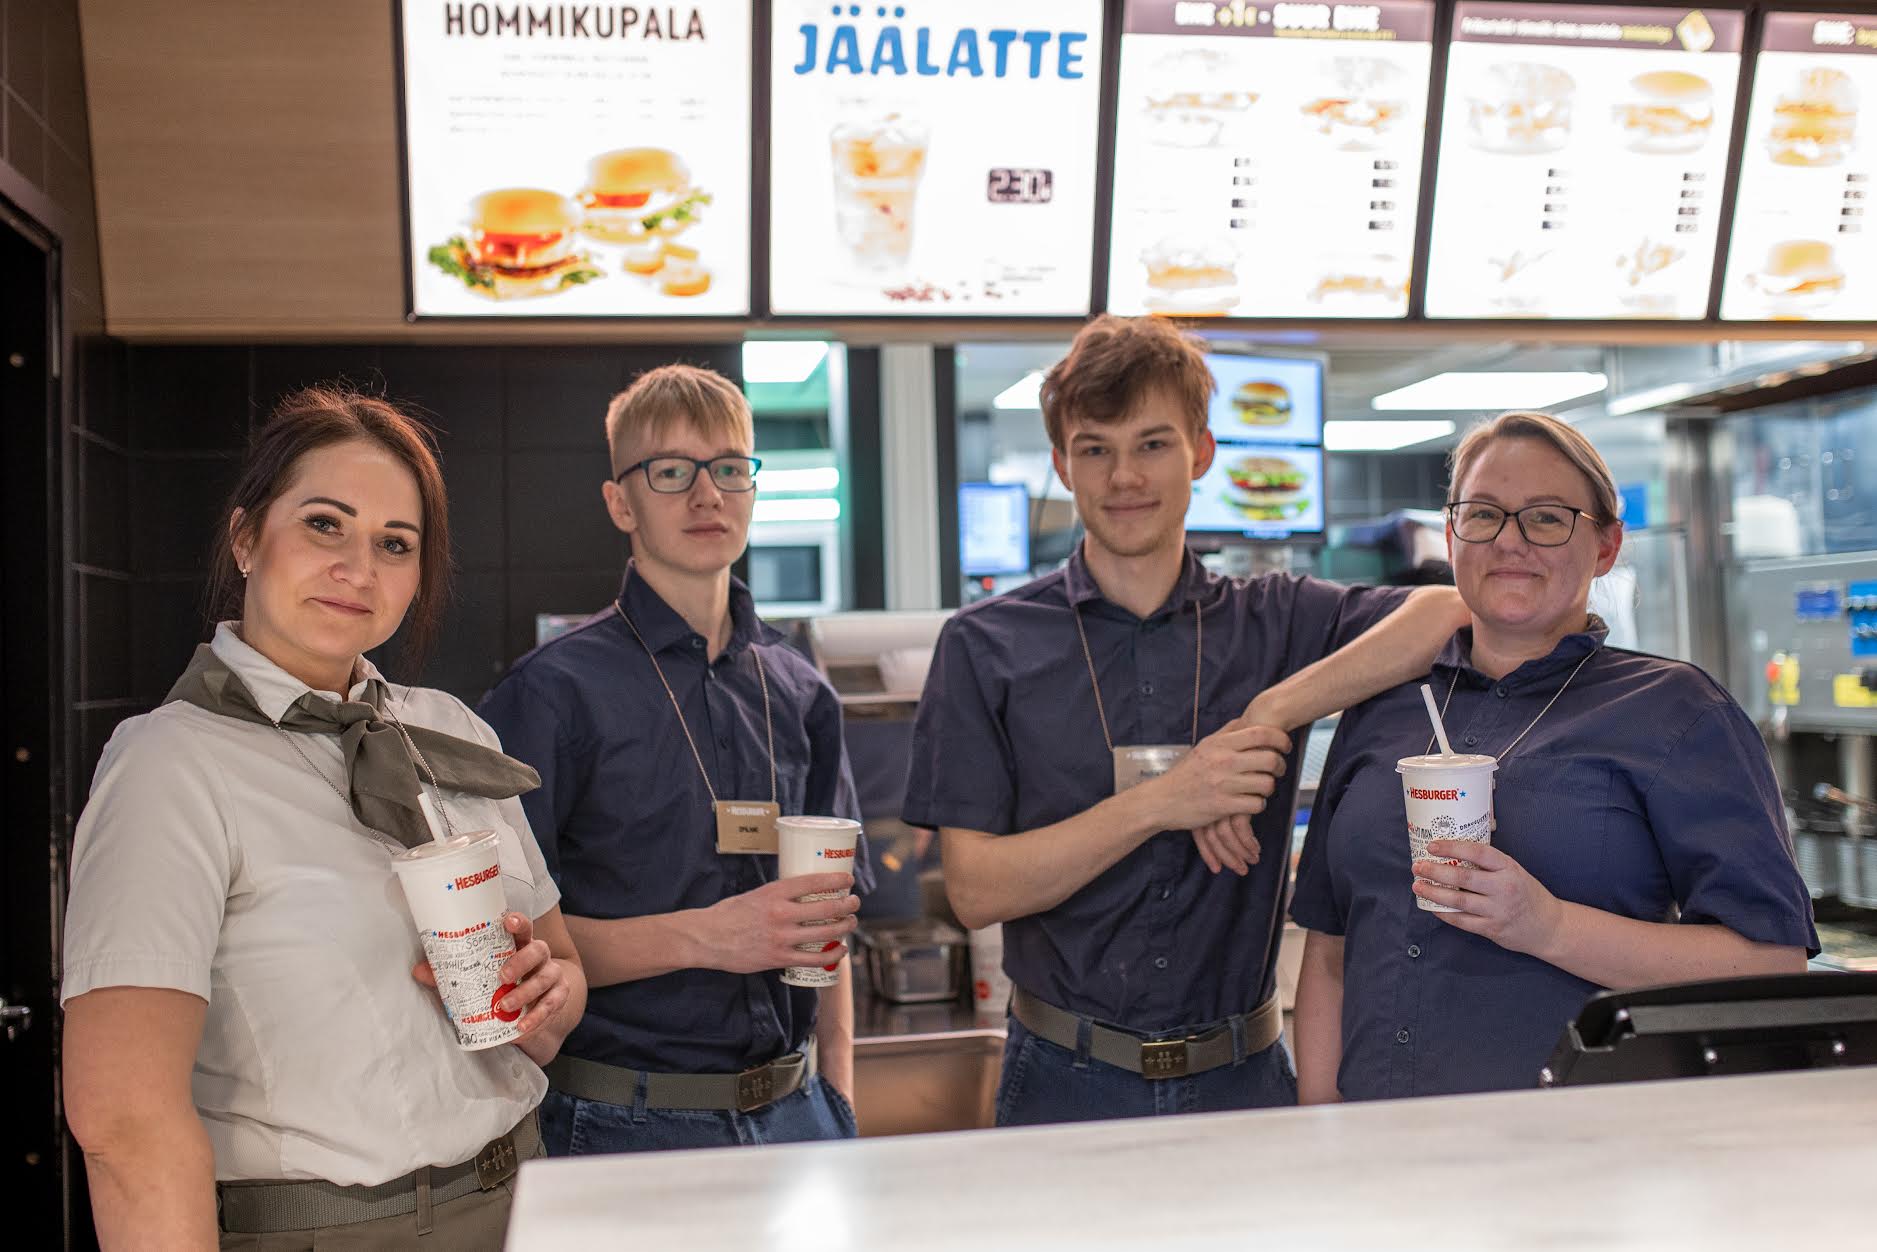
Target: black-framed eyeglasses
point(1543, 525)
point(671, 475)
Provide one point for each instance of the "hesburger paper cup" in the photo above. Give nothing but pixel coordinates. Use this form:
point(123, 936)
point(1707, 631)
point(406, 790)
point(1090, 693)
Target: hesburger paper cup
point(990, 986)
point(1447, 797)
point(815, 845)
point(454, 889)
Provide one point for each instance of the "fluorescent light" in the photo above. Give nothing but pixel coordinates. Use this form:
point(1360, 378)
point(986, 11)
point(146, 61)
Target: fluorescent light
point(1490, 390)
point(1650, 398)
point(1025, 393)
point(800, 481)
point(813, 509)
point(1342, 435)
point(781, 360)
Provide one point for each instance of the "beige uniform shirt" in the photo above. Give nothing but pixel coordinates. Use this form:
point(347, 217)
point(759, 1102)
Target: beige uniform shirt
point(212, 859)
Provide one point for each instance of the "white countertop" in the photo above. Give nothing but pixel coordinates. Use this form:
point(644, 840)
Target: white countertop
point(1765, 1162)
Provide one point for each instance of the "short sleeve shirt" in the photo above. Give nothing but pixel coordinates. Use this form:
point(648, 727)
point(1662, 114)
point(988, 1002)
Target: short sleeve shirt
point(1644, 791)
point(625, 818)
point(214, 859)
point(1008, 738)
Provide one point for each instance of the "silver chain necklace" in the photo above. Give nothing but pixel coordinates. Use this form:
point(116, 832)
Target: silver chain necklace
point(410, 746)
point(1528, 728)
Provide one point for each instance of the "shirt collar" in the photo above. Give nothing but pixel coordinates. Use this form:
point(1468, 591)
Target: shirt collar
point(663, 628)
point(1192, 585)
point(1456, 658)
point(273, 688)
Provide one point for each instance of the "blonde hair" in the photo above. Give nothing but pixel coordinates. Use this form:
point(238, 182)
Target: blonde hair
point(660, 398)
point(1562, 436)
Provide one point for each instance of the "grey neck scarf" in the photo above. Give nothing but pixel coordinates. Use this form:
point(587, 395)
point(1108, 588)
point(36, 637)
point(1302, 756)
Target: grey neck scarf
point(382, 778)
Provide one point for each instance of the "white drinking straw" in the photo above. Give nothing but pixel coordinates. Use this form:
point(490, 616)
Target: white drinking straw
point(1433, 715)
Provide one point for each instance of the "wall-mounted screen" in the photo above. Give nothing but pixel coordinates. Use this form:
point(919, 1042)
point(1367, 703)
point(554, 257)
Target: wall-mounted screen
point(1266, 399)
point(1268, 158)
point(1804, 244)
point(1583, 158)
point(577, 160)
point(935, 158)
point(1264, 491)
point(993, 529)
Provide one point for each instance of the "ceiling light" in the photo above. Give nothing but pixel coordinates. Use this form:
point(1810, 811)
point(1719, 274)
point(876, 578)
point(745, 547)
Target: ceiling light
point(822, 478)
point(1380, 436)
point(810, 509)
point(782, 360)
point(1486, 390)
point(1651, 398)
point(1025, 393)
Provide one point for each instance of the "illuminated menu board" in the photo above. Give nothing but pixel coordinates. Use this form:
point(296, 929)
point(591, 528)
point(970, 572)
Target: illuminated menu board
point(577, 160)
point(1804, 243)
point(1583, 156)
point(934, 158)
point(1268, 158)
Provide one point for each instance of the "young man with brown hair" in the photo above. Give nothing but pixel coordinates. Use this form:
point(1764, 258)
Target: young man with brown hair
point(645, 721)
point(1073, 732)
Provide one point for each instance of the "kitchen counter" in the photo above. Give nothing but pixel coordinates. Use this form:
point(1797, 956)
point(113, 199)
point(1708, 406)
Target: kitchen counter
point(1766, 1161)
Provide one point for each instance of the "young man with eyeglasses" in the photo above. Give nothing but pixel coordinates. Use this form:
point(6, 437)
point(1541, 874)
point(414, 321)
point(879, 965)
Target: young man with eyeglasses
point(660, 726)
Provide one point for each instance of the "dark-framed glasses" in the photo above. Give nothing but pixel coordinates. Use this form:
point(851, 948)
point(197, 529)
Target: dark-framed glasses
point(671, 475)
point(1543, 525)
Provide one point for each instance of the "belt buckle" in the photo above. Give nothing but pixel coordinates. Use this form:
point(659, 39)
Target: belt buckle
point(496, 1163)
point(1164, 1058)
point(755, 1088)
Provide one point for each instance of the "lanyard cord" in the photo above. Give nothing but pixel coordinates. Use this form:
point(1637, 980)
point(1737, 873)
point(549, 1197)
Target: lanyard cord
point(1528, 729)
point(768, 719)
point(1199, 652)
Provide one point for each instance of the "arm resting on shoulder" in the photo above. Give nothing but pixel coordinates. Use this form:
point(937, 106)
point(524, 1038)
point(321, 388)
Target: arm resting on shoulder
point(1400, 647)
point(1318, 1021)
point(129, 1052)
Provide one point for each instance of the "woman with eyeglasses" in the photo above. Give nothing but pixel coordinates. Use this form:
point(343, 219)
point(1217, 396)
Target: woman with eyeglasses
point(1639, 836)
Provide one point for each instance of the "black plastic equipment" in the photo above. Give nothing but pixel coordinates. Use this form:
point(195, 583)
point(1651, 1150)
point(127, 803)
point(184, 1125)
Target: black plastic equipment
point(1728, 1026)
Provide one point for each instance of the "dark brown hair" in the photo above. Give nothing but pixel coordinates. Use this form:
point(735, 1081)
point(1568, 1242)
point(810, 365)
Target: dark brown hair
point(1117, 360)
point(317, 417)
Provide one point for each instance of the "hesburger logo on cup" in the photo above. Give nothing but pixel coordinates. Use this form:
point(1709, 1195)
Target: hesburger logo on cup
point(469, 880)
point(1421, 793)
point(836, 854)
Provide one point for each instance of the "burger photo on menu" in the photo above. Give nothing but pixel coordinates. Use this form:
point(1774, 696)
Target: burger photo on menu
point(1264, 487)
point(1666, 111)
point(1520, 108)
point(1261, 402)
point(1376, 282)
point(1191, 275)
point(633, 194)
point(1814, 119)
point(1798, 277)
point(1366, 98)
point(521, 243)
point(1199, 99)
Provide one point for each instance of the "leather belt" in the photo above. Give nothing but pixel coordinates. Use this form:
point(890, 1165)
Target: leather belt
point(1149, 1057)
point(753, 1089)
point(263, 1208)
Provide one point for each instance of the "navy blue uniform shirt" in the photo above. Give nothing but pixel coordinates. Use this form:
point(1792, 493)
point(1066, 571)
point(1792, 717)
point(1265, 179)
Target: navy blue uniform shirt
point(1645, 791)
point(625, 821)
point(1008, 740)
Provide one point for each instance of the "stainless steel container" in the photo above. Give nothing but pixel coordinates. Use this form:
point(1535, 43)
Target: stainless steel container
point(913, 962)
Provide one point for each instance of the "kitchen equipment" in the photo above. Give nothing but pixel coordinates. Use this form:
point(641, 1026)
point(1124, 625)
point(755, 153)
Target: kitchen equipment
point(914, 961)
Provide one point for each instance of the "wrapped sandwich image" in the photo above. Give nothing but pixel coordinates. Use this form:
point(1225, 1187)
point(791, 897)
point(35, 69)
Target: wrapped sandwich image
point(1191, 275)
point(1798, 277)
point(520, 244)
point(1666, 111)
point(1266, 488)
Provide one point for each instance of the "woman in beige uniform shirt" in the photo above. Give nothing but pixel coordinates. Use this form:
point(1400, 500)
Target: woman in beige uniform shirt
point(253, 1048)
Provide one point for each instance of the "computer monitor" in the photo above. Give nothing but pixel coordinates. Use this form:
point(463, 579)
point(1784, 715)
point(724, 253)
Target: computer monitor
point(993, 529)
point(1266, 399)
point(1262, 491)
point(1724, 1026)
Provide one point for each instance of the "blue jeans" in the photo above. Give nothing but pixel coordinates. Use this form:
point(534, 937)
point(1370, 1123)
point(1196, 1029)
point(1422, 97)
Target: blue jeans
point(571, 1126)
point(1045, 1083)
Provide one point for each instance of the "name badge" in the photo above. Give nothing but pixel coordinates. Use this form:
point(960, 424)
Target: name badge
point(746, 826)
point(1137, 764)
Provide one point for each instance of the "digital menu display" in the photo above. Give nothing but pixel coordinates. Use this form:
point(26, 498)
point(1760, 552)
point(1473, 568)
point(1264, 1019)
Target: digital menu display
point(1268, 158)
point(577, 160)
point(1263, 399)
point(1804, 243)
point(1583, 157)
point(1261, 492)
point(933, 158)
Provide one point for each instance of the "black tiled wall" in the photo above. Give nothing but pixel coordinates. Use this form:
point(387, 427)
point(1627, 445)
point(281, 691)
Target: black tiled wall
point(524, 455)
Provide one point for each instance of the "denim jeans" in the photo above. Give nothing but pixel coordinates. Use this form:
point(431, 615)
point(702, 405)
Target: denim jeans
point(1045, 1083)
point(571, 1126)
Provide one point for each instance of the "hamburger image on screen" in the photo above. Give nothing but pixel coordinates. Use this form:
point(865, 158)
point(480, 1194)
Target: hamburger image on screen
point(1266, 488)
point(520, 243)
point(1261, 403)
point(633, 194)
